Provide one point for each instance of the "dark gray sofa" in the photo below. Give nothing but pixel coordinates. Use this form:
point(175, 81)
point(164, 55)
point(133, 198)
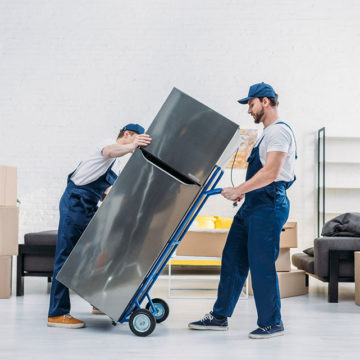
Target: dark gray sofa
point(35, 257)
point(333, 261)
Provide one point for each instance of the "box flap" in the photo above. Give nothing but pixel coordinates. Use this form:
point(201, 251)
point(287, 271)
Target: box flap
point(290, 224)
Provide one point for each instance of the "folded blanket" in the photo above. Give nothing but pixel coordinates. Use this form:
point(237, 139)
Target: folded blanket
point(347, 224)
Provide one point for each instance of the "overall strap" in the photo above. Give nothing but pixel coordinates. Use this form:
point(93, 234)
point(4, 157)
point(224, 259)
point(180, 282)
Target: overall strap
point(73, 172)
point(111, 165)
point(284, 123)
point(260, 141)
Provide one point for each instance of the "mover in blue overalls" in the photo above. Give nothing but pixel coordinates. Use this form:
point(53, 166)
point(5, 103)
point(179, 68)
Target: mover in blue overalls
point(254, 237)
point(85, 187)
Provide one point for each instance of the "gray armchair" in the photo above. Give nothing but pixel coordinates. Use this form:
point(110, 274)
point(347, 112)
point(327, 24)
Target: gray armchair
point(332, 261)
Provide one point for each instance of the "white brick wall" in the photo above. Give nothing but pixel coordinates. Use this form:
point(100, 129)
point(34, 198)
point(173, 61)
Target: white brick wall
point(73, 72)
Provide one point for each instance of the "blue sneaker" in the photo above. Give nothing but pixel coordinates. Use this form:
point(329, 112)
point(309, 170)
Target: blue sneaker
point(209, 322)
point(267, 332)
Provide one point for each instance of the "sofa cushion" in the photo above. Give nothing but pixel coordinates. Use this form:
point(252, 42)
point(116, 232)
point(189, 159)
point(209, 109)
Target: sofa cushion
point(35, 262)
point(304, 262)
point(41, 238)
point(309, 251)
point(39, 263)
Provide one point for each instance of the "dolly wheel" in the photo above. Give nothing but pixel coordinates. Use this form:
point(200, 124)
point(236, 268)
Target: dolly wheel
point(162, 309)
point(142, 322)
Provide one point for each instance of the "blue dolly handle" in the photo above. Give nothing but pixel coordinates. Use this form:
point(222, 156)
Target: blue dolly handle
point(213, 191)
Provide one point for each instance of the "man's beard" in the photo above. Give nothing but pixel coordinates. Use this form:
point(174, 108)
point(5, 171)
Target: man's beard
point(259, 116)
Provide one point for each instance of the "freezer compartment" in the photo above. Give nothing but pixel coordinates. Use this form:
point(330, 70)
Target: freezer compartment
point(126, 235)
point(189, 136)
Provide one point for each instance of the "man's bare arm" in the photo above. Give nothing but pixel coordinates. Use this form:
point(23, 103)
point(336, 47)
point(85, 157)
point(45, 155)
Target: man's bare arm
point(118, 150)
point(265, 176)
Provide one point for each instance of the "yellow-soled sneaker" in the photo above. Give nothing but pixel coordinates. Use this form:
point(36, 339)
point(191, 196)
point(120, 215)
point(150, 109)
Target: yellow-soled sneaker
point(65, 321)
point(96, 311)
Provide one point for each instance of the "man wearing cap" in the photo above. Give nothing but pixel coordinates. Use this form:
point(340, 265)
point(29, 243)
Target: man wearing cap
point(254, 237)
point(85, 187)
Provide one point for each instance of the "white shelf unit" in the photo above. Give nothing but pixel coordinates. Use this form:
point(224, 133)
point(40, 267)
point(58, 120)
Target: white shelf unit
point(198, 261)
point(342, 175)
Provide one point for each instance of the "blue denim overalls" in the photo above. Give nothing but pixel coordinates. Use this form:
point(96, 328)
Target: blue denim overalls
point(77, 207)
point(253, 242)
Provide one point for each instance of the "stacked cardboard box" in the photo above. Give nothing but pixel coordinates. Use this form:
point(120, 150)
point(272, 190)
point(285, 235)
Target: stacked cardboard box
point(203, 242)
point(207, 239)
point(9, 224)
point(288, 240)
point(291, 282)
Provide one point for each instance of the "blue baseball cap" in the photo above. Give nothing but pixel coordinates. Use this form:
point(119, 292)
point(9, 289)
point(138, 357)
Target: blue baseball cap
point(134, 127)
point(257, 91)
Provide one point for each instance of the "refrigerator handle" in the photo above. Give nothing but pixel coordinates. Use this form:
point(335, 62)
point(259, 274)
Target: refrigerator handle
point(153, 160)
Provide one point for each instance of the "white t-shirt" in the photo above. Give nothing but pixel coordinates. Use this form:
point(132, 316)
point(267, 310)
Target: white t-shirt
point(95, 165)
point(278, 137)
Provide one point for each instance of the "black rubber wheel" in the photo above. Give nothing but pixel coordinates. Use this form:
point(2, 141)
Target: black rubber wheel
point(162, 309)
point(142, 322)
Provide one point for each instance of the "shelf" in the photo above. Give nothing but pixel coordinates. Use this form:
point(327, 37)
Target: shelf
point(195, 260)
point(332, 188)
point(341, 137)
point(335, 213)
point(334, 157)
point(206, 230)
point(340, 162)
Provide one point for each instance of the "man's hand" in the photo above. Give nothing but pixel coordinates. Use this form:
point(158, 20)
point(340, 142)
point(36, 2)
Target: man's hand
point(232, 194)
point(120, 149)
point(103, 196)
point(141, 140)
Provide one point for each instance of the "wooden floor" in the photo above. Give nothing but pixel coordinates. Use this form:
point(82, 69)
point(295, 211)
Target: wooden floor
point(315, 329)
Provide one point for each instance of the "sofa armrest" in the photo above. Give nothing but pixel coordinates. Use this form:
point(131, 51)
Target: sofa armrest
point(322, 246)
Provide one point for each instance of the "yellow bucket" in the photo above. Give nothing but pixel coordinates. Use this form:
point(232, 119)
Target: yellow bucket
point(223, 223)
point(205, 222)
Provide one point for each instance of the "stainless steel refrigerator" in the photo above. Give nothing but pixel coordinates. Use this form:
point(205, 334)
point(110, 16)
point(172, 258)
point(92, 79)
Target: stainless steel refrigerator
point(147, 202)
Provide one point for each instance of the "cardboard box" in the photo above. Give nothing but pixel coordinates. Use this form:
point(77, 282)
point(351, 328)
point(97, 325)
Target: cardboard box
point(8, 185)
point(5, 277)
point(283, 261)
point(203, 242)
point(288, 236)
point(357, 277)
point(211, 242)
point(9, 230)
point(292, 283)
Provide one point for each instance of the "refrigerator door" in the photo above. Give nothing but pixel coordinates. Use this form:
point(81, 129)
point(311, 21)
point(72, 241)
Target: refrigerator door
point(126, 235)
point(189, 136)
